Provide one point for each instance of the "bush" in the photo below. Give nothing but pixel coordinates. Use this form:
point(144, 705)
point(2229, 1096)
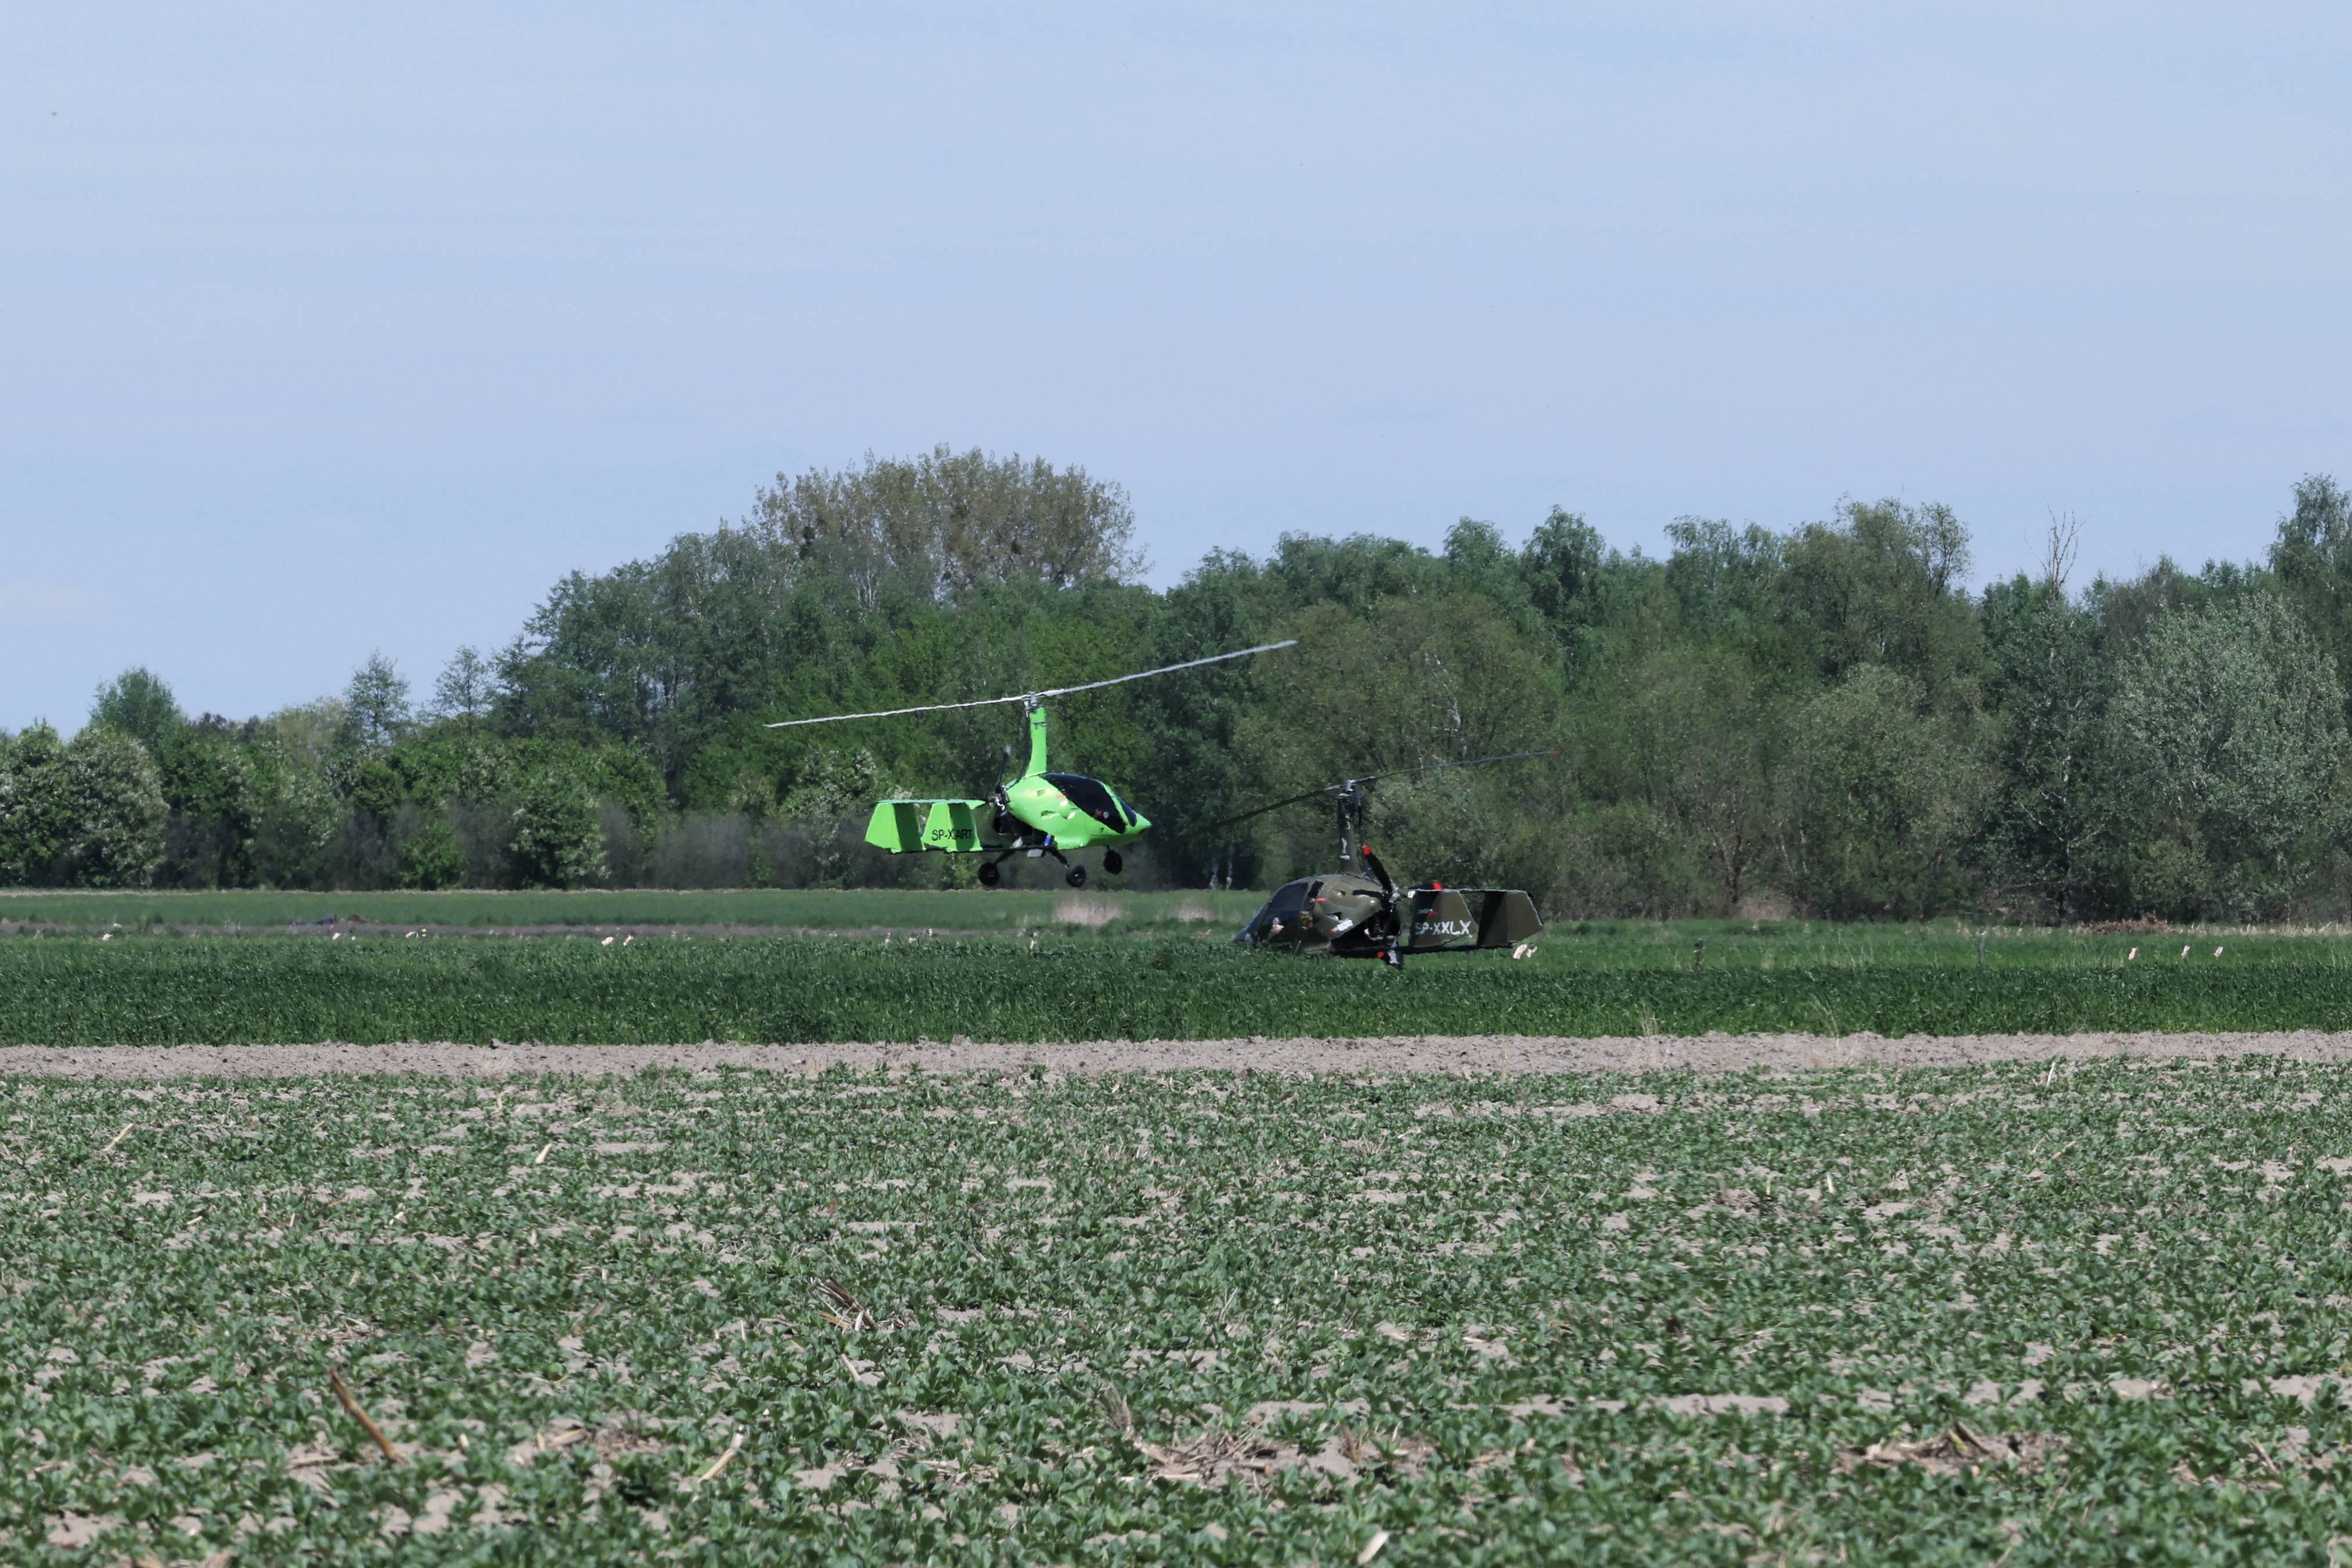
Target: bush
point(429, 855)
point(35, 809)
point(557, 840)
point(86, 814)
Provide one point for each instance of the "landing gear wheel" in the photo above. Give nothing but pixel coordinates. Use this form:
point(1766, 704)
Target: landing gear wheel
point(1077, 878)
point(1112, 865)
point(989, 875)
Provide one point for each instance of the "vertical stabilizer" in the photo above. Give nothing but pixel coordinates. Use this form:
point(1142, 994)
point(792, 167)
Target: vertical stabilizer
point(1036, 738)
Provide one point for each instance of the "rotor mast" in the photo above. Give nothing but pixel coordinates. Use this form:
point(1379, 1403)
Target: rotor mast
point(1036, 734)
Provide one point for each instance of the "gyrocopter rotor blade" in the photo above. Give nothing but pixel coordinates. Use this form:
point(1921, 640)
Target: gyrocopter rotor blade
point(1347, 784)
point(1039, 696)
point(1261, 810)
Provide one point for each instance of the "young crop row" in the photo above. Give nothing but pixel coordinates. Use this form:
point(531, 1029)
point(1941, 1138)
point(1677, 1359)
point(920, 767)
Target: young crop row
point(206, 990)
point(2017, 1313)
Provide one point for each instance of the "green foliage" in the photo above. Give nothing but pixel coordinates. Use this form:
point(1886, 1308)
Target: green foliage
point(557, 840)
point(1883, 586)
point(138, 703)
point(114, 798)
point(466, 687)
point(1704, 733)
point(87, 813)
point(955, 520)
point(431, 857)
point(1881, 798)
point(2312, 561)
point(1414, 680)
point(2229, 726)
point(37, 806)
point(2056, 815)
point(376, 705)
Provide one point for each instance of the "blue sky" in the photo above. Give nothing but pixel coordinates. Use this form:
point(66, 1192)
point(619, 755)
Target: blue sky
point(337, 329)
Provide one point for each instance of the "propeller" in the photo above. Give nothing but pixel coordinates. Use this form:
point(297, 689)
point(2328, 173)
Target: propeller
point(1033, 698)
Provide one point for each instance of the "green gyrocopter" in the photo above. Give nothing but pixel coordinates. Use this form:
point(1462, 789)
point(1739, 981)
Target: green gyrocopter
point(1039, 813)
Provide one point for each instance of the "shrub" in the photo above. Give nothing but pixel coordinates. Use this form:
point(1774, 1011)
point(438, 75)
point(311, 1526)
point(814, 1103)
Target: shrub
point(557, 840)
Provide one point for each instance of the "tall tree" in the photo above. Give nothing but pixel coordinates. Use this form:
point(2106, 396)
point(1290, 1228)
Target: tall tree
point(37, 809)
point(376, 705)
point(962, 519)
point(1704, 732)
point(138, 703)
point(2051, 823)
point(2312, 559)
point(116, 799)
point(1879, 799)
point(465, 687)
point(2229, 728)
point(1883, 585)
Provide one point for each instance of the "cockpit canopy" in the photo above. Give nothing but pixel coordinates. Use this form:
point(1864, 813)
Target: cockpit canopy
point(1094, 798)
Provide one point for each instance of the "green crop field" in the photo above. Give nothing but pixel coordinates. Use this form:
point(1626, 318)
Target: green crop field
point(162, 991)
point(860, 909)
point(2010, 1314)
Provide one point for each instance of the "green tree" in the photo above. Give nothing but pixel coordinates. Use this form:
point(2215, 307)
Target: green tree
point(37, 809)
point(1722, 578)
point(1418, 680)
point(958, 518)
point(376, 705)
point(2229, 728)
point(114, 799)
point(1883, 585)
point(2312, 559)
point(2050, 827)
point(467, 688)
point(557, 840)
point(1878, 800)
point(1562, 563)
point(213, 787)
point(1702, 733)
point(138, 703)
point(430, 858)
point(299, 812)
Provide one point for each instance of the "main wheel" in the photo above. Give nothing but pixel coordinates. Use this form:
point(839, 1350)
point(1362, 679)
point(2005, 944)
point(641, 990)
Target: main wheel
point(1112, 865)
point(989, 875)
point(1078, 877)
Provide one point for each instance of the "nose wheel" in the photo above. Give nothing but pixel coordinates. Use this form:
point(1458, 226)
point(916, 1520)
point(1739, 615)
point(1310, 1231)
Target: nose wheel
point(1112, 865)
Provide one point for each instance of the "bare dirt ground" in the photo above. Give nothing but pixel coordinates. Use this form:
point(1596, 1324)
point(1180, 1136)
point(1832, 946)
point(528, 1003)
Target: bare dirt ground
point(1434, 1053)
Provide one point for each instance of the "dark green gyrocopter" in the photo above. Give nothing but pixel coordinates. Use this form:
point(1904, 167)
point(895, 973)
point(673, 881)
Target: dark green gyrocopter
point(1040, 812)
point(1352, 913)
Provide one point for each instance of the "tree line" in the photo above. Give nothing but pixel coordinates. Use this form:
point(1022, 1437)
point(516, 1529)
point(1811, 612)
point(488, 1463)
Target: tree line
point(1827, 720)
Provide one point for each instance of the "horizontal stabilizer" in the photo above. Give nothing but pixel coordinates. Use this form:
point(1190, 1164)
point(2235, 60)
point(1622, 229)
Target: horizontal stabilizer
point(901, 826)
point(1454, 917)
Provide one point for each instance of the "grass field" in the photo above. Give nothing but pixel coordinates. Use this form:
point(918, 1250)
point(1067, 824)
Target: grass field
point(1964, 1316)
point(161, 990)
